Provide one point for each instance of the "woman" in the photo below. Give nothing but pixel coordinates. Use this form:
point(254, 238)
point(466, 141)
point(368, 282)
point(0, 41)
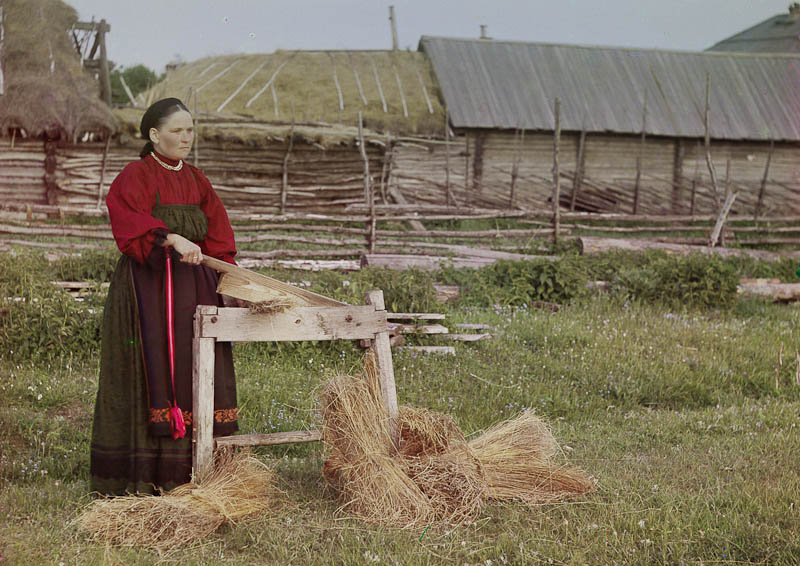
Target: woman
point(164, 217)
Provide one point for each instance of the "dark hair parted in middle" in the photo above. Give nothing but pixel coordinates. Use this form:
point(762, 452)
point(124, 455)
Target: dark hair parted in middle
point(158, 112)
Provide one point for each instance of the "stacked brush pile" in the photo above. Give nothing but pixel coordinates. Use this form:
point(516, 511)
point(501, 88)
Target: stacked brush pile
point(434, 474)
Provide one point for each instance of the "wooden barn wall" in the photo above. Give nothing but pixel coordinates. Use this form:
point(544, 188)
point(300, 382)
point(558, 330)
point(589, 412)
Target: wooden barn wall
point(669, 168)
point(243, 176)
point(419, 171)
point(746, 171)
point(534, 156)
point(22, 170)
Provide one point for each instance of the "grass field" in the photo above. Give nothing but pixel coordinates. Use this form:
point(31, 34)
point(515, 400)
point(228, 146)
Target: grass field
point(686, 418)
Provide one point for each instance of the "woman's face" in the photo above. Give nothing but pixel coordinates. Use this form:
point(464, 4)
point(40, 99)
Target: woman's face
point(175, 136)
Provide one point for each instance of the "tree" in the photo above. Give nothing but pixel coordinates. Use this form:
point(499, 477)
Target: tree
point(138, 78)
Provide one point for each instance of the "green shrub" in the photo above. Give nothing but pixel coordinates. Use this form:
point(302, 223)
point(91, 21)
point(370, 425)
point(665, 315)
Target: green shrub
point(87, 266)
point(696, 280)
point(519, 282)
point(39, 321)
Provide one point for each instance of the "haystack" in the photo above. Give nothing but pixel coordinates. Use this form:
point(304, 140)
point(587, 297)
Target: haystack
point(434, 474)
point(237, 487)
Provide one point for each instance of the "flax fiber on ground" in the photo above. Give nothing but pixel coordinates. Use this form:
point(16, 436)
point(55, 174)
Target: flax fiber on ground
point(434, 474)
point(239, 486)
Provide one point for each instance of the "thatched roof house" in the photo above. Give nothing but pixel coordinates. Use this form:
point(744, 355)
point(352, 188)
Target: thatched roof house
point(47, 100)
point(46, 91)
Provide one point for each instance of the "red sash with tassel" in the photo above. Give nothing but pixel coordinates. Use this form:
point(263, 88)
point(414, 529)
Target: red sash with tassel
point(175, 413)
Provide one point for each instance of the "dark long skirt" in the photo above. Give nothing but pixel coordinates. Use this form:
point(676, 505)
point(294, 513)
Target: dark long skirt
point(132, 448)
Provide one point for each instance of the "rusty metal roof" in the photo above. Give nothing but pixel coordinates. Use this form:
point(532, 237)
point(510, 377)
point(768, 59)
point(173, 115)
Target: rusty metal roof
point(505, 84)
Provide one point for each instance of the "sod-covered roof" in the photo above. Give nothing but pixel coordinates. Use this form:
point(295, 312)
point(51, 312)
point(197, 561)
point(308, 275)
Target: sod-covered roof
point(45, 88)
point(274, 87)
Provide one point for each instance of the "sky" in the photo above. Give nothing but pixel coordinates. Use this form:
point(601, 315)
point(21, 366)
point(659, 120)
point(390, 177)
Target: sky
point(155, 32)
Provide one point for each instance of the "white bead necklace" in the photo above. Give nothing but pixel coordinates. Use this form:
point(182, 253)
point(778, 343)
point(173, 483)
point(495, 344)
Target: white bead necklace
point(167, 165)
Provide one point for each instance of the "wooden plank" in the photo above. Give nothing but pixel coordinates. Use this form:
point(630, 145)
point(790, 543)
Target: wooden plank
point(468, 326)
point(415, 316)
point(202, 395)
point(414, 329)
point(299, 323)
point(383, 358)
point(272, 439)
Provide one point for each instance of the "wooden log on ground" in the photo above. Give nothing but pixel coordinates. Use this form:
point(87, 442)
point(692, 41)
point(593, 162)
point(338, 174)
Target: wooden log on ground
point(431, 263)
point(779, 292)
point(592, 245)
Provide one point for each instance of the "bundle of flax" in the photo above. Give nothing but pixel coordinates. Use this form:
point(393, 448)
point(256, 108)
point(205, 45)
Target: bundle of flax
point(434, 474)
point(518, 459)
point(238, 486)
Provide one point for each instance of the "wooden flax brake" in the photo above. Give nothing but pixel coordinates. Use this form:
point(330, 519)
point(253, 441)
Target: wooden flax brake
point(310, 317)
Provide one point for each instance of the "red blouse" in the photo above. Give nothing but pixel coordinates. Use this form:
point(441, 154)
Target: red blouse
point(132, 197)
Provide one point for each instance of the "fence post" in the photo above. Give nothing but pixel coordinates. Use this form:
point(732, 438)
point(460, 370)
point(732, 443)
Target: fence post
point(556, 171)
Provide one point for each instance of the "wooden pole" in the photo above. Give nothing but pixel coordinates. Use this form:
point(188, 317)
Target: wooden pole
point(640, 157)
point(709, 162)
point(677, 176)
point(402, 93)
point(269, 82)
point(515, 166)
point(576, 182)
point(556, 170)
point(285, 171)
point(2, 36)
point(723, 215)
point(762, 189)
point(105, 77)
point(466, 166)
point(103, 172)
point(241, 86)
point(448, 191)
point(387, 164)
point(383, 359)
point(274, 99)
point(424, 89)
point(378, 83)
point(369, 198)
point(338, 86)
point(727, 195)
point(357, 78)
point(127, 89)
point(202, 395)
point(393, 22)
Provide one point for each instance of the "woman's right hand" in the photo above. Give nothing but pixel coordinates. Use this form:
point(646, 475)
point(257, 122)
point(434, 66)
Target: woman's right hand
point(190, 252)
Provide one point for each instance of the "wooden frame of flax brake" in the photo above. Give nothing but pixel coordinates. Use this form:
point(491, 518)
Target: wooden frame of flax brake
point(332, 321)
